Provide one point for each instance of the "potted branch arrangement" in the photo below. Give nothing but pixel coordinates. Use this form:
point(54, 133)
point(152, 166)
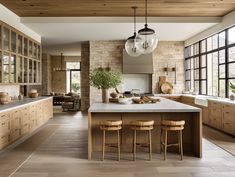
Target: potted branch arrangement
point(104, 79)
point(232, 87)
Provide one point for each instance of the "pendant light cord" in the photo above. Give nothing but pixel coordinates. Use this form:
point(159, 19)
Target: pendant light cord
point(146, 12)
point(134, 19)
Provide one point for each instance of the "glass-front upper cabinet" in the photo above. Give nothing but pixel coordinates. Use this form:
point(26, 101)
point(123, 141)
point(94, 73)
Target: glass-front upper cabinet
point(30, 49)
point(39, 72)
point(25, 70)
point(25, 47)
point(6, 67)
point(13, 69)
point(20, 69)
point(30, 71)
point(0, 66)
point(20, 45)
point(39, 53)
point(0, 37)
point(6, 39)
point(20, 57)
point(13, 41)
point(34, 72)
point(35, 50)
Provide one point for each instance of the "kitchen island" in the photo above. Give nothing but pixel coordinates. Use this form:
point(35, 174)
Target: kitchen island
point(165, 109)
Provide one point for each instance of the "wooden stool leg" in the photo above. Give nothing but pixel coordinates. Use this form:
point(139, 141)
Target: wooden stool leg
point(161, 141)
point(103, 145)
point(150, 145)
point(134, 146)
point(179, 141)
point(181, 144)
point(118, 141)
point(165, 145)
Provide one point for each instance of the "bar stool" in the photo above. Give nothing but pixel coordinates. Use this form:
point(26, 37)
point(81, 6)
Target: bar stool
point(168, 125)
point(142, 125)
point(111, 125)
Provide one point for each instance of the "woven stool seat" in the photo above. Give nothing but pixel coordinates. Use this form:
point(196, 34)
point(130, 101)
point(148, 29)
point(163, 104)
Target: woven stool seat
point(111, 128)
point(111, 123)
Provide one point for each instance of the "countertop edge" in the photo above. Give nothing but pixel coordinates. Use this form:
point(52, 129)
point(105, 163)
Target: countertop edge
point(22, 104)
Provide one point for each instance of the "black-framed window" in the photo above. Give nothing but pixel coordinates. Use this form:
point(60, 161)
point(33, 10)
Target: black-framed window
point(210, 64)
point(73, 77)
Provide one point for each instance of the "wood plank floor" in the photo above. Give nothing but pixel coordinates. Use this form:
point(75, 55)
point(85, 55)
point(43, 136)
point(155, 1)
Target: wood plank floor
point(222, 140)
point(64, 154)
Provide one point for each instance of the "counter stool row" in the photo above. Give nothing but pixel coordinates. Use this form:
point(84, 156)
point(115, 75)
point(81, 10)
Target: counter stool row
point(147, 126)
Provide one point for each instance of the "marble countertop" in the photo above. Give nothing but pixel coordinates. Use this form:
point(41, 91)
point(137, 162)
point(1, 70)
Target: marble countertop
point(165, 105)
point(19, 103)
point(209, 98)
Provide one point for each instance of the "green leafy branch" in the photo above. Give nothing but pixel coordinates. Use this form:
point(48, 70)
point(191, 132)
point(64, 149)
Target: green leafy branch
point(232, 87)
point(104, 79)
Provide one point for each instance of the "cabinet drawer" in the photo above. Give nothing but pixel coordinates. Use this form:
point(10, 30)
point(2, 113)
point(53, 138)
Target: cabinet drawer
point(24, 129)
point(216, 113)
point(15, 134)
point(4, 126)
point(228, 117)
point(215, 105)
point(228, 127)
point(228, 108)
point(216, 123)
point(4, 140)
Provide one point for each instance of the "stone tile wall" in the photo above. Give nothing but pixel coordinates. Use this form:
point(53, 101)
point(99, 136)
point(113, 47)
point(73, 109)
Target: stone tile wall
point(58, 78)
point(169, 53)
point(85, 69)
point(105, 54)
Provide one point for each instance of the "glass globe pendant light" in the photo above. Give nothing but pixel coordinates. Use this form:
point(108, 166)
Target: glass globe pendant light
point(146, 40)
point(130, 42)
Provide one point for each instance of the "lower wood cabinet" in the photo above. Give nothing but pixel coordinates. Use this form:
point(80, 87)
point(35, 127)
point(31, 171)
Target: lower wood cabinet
point(20, 121)
point(218, 114)
point(4, 129)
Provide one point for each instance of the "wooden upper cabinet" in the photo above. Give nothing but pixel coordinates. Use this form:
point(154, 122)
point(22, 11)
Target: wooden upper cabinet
point(20, 57)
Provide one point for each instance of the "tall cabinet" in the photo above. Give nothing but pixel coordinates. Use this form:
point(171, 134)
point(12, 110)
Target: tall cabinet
point(20, 57)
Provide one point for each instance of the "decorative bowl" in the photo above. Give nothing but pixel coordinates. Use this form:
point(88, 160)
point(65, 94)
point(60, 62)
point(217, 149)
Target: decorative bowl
point(33, 91)
point(124, 100)
point(33, 95)
point(114, 95)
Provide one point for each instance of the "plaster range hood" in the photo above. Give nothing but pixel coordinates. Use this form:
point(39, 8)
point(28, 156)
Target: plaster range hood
point(142, 64)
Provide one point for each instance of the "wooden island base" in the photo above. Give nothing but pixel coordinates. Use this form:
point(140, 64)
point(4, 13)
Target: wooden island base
point(192, 134)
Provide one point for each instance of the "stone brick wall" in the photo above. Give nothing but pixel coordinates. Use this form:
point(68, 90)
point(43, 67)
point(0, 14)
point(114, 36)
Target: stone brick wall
point(105, 54)
point(85, 84)
point(58, 78)
point(46, 74)
point(171, 53)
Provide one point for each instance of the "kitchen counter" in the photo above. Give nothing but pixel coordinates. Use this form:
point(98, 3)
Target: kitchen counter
point(165, 105)
point(19, 103)
point(165, 109)
point(209, 98)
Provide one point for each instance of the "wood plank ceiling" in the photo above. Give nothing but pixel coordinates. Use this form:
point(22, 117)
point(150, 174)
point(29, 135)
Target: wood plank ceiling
point(119, 8)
